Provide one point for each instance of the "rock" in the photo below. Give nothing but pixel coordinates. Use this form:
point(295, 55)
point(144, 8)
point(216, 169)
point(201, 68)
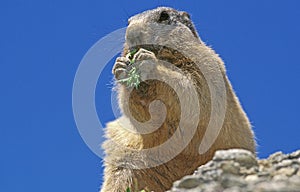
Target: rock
point(284, 163)
point(188, 182)
point(280, 178)
point(295, 155)
point(237, 170)
point(230, 167)
point(231, 181)
point(288, 171)
point(251, 178)
point(243, 157)
point(233, 189)
point(277, 157)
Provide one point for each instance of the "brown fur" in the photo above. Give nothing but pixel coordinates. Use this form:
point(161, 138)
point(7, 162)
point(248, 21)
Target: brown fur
point(121, 164)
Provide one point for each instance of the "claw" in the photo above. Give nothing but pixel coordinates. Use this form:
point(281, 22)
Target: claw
point(123, 60)
point(144, 54)
point(120, 73)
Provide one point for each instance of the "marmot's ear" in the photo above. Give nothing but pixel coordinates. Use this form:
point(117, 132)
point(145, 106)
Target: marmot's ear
point(185, 14)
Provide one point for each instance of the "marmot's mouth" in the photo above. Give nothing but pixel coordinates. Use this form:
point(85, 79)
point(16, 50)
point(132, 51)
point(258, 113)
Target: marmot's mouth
point(150, 47)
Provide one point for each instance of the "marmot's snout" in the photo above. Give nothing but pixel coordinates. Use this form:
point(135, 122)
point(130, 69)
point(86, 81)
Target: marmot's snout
point(135, 35)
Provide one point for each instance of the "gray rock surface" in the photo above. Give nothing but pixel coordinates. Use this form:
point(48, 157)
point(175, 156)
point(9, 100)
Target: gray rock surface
point(238, 170)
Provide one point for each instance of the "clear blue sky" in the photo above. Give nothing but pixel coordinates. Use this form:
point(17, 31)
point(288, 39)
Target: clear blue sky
point(43, 42)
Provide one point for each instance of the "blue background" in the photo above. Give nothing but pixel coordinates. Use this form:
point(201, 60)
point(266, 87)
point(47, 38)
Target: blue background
point(43, 42)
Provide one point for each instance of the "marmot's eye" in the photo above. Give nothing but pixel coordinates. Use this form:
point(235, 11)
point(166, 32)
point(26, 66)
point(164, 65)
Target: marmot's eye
point(164, 16)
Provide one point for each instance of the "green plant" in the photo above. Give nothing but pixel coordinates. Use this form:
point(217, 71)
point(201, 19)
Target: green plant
point(134, 78)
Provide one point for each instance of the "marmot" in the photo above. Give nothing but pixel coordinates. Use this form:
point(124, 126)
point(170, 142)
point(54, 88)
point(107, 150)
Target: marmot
point(158, 35)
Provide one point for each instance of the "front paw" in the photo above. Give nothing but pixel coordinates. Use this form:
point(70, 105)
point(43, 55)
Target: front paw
point(134, 68)
point(143, 55)
point(126, 73)
point(121, 68)
point(146, 62)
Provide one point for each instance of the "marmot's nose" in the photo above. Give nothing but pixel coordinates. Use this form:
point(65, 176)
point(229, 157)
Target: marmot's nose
point(135, 34)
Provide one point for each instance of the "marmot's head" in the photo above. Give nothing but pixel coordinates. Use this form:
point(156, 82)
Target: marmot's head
point(157, 25)
point(167, 16)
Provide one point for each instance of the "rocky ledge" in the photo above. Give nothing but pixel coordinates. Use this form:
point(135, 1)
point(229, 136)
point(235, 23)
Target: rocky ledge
point(238, 170)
